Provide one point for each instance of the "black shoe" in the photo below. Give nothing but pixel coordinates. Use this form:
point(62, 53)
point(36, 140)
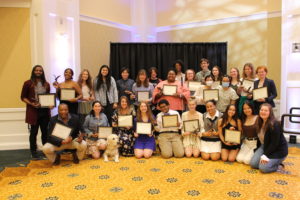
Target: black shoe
point(57, 160)
point(75, 158)
point(35, 156)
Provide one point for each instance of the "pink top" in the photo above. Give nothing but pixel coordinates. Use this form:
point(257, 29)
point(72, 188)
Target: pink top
point(176, 103)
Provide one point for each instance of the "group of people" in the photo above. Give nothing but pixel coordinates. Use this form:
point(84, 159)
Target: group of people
point(99, 103)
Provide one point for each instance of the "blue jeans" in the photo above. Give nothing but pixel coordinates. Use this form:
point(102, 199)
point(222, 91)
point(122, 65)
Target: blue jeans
point(271, 166)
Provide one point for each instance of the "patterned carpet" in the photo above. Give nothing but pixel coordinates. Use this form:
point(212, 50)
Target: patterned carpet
point(155, 178)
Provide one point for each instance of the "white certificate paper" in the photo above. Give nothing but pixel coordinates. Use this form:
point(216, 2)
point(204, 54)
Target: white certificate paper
point(125, 121)
point(260, 93)
point(67, 94)
point(47, 100)
point(104, 132)
point(143, 96)
point(191, 125)
point(143, 128)
point(248, 84)
point(233, 136)
point(169, 90)
point(170, 121)
point(194, 85)
point(61, 131)
point(211, 94)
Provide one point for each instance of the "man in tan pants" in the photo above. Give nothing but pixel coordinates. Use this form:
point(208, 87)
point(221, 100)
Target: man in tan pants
point(169, 139)
point(74, 141)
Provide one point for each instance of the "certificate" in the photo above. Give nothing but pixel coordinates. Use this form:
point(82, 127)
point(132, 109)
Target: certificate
point(143, 96)
point(169, 90)
point(211, 94)
point(67, 94)
point(260, 93)
point(125, 121)
point(248, 84)
point(61, 131)
point(194, 85)
point(143, 128)
point(169, 121)
point(192, 126)
point(233, 136)
point(104, 131)
point(47, 100)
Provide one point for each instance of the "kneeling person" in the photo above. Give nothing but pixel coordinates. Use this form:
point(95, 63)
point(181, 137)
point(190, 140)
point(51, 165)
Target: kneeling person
point(74, 141)
point(169, 139)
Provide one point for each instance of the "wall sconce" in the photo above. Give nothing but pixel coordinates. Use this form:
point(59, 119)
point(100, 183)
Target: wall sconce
point(296, 47)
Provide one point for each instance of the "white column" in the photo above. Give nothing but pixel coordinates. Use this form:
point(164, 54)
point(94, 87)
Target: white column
point(143, 21)
point(55, 36)
point(290, 66)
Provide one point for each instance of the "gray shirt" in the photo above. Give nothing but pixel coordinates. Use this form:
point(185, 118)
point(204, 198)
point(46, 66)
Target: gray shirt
point(102, 94)
point(201, 75)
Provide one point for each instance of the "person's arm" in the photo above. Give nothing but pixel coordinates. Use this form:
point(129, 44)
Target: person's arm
point(115, 93)
point(151, 91)
point(273, 91)
point(185, 92)
point(182, 129)
point(86, 126)
point(78, 91)
point(24, 95)
point(157, 93)
point(233, 96)
point(274, 132)
point(202, 130)
point(53, 140)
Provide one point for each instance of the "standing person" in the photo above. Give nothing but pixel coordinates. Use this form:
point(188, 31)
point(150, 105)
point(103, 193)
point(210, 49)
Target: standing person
point(263, 81)
point(190, 76)
point(217, 75)
point(85, 105)
point(229, 121)
point(227, 95)
point(35, 115)
point(144, 144)
point(126, 134)
point(169, 139)
point(69, 84)
point(105, 90)
point(179, 70)
point(153, 76)
point(248, 74)
point(74, 141)
point(235, 78)
point(210, 140)
point(191, 140)
point(142, 85)
point(274, 149)
point(249, 133)
point(204, 63)
point(178, 99)
point(124, 85)
point(92, 121)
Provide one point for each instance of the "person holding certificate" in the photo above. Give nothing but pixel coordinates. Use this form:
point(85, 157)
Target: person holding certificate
point(235, 78)
point(142, 90)
point(35, 115)
point(63, 133)
point(126, 131)
point(249, 132)
point(169, 139)
point(85, 105)
point(208, 85)
point(274, 148)
point(144, 123)
point(105, 91)
point(173, 91)
point(124, 85)
point(179, 70)
point(92, 121)
point(192, 130)
point(190, 77)
point(227, 95)
point(229, 122)
point(263, 81)
point(204, 63)
point(245, 89)
point(67, 90)
point(210, 141)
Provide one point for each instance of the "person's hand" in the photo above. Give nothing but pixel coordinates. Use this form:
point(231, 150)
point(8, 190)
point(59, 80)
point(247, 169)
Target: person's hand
point(228, 143)
point(249, 96)
point(67, 140)
point(79, 139)
point(127, 92)
point(91, 98)
point(36, 104)
point(55, 84)
point(160, 93)
point(263, 162)
point(232, 128)
point(135, 134)
point(215, 133)
point(73, 100)
point(128, 127)
point(261, 100)
point(95, 135)
point(132, 96)
point(150, 135)
point(115, 105)
point(187, 133)
point(114, 124)
point(208, 133)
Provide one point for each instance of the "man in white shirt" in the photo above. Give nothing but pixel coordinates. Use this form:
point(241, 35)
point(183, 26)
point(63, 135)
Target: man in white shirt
point(169, 139)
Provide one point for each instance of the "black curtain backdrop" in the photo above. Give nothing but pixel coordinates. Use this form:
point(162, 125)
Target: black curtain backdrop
point(137, 56)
